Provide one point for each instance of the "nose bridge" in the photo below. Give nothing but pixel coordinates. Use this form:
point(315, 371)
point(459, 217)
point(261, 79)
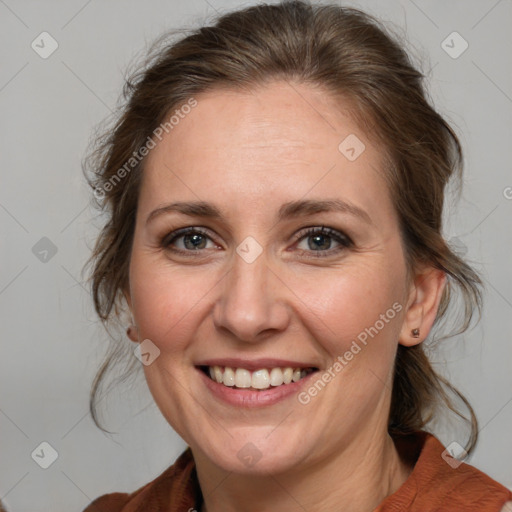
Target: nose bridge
point(250, 303)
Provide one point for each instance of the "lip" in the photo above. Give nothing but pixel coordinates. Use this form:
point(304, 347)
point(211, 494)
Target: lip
point(248, 398)
point(255, 364)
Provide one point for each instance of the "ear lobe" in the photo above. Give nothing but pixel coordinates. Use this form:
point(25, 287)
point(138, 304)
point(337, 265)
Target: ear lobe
point(424, 299)
point(133, 333)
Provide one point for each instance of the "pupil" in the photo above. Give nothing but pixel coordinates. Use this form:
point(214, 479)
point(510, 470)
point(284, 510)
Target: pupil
point(195, 239)
point(320, 238)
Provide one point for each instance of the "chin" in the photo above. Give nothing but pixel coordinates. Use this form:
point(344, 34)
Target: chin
point(252, 451)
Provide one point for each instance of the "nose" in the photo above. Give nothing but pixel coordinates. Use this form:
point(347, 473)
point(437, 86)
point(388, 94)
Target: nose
point(252, 302)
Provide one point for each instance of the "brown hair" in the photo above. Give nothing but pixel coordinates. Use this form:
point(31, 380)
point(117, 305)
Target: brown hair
point(349, 54)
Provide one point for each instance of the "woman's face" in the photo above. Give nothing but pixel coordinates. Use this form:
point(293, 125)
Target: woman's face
point(255, 284)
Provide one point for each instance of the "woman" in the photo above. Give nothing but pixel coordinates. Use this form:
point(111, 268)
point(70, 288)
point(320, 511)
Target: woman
point(274, 190)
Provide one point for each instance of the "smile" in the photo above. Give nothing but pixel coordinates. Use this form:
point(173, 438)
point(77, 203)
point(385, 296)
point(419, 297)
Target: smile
point(257, 380)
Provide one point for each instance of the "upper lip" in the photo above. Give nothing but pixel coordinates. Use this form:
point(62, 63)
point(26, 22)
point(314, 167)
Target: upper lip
point(255, 364)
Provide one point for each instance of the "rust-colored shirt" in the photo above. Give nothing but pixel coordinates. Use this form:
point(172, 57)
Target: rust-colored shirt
point(433, 485)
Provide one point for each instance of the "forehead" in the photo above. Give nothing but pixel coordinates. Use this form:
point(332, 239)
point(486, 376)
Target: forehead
point(257, 146)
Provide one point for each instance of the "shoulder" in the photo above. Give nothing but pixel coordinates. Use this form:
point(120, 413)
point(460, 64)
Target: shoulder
point(457, 478)
point(507, 507)
point(109, 503)
point(176, 483)
point(440, 482)
point(122, 502)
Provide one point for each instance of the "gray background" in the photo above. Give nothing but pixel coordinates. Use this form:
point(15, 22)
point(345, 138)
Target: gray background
point(51, 342)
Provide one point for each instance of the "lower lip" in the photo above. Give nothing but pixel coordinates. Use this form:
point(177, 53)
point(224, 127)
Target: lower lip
point(251, 398)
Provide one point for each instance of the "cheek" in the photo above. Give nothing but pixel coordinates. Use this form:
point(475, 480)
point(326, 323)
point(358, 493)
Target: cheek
point(355, 299)
point(166, 302)
point(356, 315)
point(362, 311)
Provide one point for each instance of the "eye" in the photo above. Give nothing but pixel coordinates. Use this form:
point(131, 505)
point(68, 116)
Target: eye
point(319, 240)
point(187, 240)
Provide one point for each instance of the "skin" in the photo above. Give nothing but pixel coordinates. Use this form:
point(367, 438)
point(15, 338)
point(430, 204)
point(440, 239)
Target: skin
point(248, 153)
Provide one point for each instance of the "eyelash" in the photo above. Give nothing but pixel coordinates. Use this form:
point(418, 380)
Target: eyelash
point(344, 241)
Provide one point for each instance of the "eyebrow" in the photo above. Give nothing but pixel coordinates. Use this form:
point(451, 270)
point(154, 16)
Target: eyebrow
point(286, 211)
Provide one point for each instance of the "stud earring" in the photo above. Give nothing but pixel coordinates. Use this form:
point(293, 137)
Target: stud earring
point(131, 327)
point(415, 333)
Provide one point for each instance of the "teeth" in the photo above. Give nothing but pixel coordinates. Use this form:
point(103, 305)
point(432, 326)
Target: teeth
point(259, 379)
point(229, 377)
point(242, 378)
point(276, 377)
point(217, 374)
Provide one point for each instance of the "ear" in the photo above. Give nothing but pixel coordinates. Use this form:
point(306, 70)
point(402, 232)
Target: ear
point(131, 330)
point(425, 295)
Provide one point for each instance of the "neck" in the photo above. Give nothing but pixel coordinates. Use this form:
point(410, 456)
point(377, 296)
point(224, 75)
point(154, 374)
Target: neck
point(360, 477)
